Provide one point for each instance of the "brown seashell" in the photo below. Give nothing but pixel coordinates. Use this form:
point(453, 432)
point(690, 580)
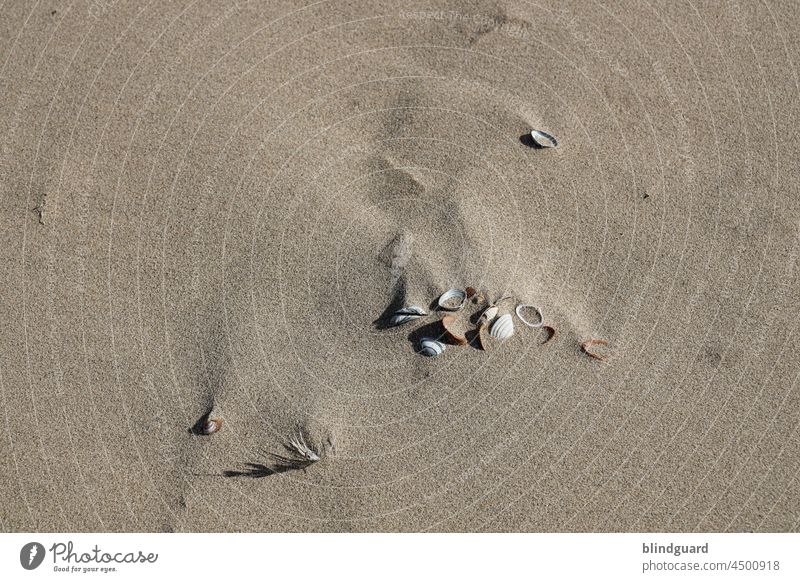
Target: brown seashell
point(447, 324)
point(551, 333)
point(483, 330)
point(211, 425)
point(585, 348)
point(470, 291)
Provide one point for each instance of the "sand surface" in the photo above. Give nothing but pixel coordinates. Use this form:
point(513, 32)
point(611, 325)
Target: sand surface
point(207, 206)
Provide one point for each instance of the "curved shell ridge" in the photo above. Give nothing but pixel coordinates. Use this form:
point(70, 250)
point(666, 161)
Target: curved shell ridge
point(503, 328)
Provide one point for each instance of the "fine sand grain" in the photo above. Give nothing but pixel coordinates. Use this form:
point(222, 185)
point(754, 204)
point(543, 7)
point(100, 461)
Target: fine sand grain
point(210, 208)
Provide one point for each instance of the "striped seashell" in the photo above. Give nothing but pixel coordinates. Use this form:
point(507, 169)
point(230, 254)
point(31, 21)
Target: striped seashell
point(503, 328)
point(406, 314)
point(211, 425)
point(431, 347)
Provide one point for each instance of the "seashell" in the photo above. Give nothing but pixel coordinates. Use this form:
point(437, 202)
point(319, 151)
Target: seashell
point(431, 347)
point(503, 328)
point(447, 324)
point(543, 139)
point(586, 348)
point(519, 310)
point(470, 291)
point(489, 314)
point(211, 425)
point(407, 314)
point(481, 337)
point(446, 299)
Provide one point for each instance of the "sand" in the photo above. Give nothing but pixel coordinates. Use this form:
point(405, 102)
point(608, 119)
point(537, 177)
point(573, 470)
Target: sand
point(207, 208)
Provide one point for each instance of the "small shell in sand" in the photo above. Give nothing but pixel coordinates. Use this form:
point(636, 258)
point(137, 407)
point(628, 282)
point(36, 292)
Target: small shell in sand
point(588, 345)
point(489, 314)
point(406, 314)
point(452, 299)
point(448, 323)
point(543, 139)
point(431, 347)
point(520, 311)
point(503, 328)
point(211, 425)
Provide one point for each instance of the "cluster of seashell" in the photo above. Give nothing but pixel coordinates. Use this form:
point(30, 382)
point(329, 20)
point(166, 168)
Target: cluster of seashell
point(452, 300)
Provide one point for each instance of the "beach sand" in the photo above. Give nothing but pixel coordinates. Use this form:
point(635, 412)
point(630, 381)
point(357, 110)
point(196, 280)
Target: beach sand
point(207, 208)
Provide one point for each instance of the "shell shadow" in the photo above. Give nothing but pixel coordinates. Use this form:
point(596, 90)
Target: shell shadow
point(257, 471)
point(398, 301)
point(260, 470)
point(197, 427)
point(527, 140)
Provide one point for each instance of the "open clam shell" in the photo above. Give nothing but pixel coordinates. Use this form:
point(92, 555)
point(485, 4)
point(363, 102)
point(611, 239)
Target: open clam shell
point(452, 299)
point(448, 323)
point(430, 347)
point(503, 328)
point(406, 314)
point(543, 139)
point(520, 311)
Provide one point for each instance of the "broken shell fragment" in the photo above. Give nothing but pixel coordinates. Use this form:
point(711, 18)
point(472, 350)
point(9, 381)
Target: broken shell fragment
point(452, 300)
point(586, 348)
point(520, 310)
point(503, 328)
point(543, 139)
point(489, 314)
point(407, 314)
point(431, 347)
point(211, 425)
point(448, 323)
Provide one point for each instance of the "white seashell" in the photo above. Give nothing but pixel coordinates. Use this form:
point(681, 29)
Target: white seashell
point(406, 314)
point(489, 314)
point(543, 140)
point(503, 328)
point(211, 425)
point(450, 294)
point(522, 306)
point(431, 347)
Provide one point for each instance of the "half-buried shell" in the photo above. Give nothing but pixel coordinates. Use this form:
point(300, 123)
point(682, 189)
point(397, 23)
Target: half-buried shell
point(452, 299)
point(430, 347)
point(543, 139)
point(449, 325)
point(211, 425)
point(503, 328)
point(406, 314)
